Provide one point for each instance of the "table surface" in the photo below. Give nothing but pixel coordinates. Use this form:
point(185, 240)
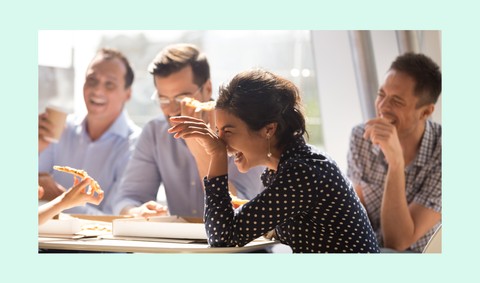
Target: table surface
point(97, 236)
point(143, 245)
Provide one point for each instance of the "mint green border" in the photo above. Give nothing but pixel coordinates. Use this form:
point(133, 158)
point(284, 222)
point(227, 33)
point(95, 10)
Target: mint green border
point(21, 21)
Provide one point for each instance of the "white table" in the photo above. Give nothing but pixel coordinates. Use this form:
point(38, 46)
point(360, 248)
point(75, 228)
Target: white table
point(142, 245)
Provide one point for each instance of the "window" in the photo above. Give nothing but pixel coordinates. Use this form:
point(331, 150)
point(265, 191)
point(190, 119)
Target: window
point(286, 53)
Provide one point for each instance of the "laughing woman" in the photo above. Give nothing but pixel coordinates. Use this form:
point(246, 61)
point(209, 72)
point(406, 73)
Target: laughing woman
point(308, 202)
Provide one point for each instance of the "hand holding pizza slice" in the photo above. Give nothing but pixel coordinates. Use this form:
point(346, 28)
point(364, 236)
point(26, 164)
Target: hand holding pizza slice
point(201, 110)
point(82, 174)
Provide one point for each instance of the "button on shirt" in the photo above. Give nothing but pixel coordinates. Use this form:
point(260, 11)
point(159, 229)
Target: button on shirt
point(367, 167)
point(308, 201)
point(104, 159)
point(158, 159)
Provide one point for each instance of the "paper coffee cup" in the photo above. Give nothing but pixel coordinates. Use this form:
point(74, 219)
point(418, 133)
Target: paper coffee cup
point(57, 117)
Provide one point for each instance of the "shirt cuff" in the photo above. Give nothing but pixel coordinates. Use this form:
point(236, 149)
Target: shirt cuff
point(216, 182)
point(216, 188)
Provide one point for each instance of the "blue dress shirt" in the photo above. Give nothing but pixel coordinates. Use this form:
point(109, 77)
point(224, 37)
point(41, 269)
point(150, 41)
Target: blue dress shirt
point(104, 159)
point(161, 159)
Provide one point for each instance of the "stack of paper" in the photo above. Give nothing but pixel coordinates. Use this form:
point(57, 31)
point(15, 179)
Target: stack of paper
point(173, 227)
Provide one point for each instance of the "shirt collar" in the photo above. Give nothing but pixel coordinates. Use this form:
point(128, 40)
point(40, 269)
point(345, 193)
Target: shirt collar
point(120, 126)
point(292, 149)
point(425, 146)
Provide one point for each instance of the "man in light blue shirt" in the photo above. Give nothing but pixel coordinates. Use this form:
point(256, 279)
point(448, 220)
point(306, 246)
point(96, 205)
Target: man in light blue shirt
point(179, 71)
point(101, 142)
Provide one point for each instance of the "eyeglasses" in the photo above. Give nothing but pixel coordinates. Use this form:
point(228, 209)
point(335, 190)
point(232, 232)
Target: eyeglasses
point(165, 101)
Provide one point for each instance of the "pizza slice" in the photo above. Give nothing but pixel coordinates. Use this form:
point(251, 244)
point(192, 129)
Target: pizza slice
point(82, 174)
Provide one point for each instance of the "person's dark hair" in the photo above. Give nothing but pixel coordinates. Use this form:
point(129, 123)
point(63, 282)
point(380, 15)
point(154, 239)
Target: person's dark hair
point(259, 97)
point(175, 57)
point(110, 53)
point(425, 72)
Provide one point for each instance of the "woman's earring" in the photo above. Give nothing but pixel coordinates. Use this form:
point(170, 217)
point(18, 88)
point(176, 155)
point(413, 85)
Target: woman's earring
point(269, 154)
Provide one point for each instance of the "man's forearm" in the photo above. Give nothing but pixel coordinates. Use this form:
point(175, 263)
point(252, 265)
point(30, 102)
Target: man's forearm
point(396, 221)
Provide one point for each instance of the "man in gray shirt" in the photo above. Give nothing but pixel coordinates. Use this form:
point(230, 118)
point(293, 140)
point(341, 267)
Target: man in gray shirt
point(179, 71)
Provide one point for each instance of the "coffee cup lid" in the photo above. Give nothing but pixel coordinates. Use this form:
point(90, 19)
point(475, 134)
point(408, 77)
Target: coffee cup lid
point(58, 108)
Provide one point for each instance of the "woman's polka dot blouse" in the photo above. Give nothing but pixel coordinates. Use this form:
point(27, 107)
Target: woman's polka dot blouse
point(308, 201)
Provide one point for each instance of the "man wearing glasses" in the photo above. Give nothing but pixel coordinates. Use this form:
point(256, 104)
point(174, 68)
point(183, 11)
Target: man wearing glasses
point(179, 71)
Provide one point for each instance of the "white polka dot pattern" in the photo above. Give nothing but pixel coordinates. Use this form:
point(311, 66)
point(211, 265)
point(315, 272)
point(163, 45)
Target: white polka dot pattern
point(308, 201)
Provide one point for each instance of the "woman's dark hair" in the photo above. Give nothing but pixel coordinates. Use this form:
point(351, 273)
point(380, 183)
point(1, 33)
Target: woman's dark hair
point(259, 97)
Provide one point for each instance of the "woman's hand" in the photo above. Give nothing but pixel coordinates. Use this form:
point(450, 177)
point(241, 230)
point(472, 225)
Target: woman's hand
point(80, 194)
point(188, 127)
